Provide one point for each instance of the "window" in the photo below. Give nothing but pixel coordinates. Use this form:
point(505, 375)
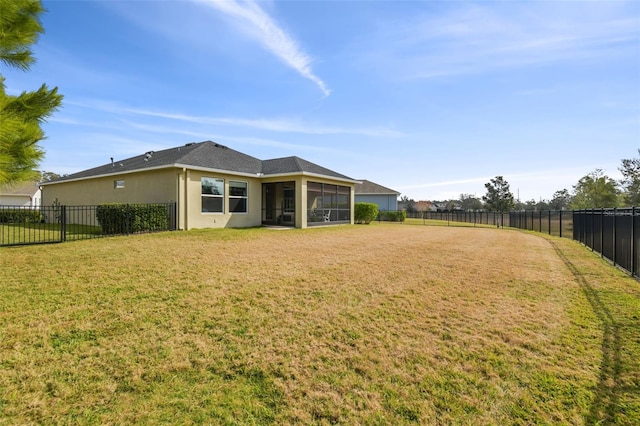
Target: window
point(212, 195)
point(237, 197)
point(118, 184)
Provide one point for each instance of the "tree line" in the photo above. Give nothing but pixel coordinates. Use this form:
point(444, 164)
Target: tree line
point(593, 191)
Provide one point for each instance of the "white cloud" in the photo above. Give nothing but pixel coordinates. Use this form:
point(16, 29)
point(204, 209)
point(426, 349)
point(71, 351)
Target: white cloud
point(469, 39)
point(257, 24)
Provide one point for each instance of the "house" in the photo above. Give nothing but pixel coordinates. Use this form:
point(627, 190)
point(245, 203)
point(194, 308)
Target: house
point(215, 186)
point(423, 206)
point(369, 192)
point(25, 194)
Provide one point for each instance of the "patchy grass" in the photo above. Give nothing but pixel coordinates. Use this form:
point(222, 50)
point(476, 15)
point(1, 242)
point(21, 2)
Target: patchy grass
point(379, 324)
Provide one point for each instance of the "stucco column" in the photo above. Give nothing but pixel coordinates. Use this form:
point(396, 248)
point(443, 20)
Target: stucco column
point(302, 197)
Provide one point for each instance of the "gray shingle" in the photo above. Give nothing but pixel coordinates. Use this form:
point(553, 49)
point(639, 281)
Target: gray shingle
point(297, 165)
point(207, 155)
point(368, 187)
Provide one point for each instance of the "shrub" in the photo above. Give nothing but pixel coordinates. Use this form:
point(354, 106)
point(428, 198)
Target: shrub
point(131, 218)
point(20, 216)
point(393, 216)
point(365, 212)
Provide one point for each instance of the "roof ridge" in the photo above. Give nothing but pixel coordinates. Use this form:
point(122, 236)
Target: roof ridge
point(298, 163)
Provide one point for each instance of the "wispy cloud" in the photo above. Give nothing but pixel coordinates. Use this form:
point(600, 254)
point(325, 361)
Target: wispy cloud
point(284, 125)
point(257, 24)
point(470, 39)
point(204, 135)
point(275, 125)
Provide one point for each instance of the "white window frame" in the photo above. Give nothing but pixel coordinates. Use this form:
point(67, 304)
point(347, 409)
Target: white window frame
point(236, 197)
point(205, 195)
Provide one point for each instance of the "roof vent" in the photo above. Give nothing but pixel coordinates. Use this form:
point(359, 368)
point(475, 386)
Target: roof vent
point(189, 144)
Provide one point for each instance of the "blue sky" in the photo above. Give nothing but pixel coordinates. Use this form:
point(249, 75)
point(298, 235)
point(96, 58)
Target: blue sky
point(430, 98)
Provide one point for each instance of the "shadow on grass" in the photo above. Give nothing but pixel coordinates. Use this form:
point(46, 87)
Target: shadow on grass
point(603, 409)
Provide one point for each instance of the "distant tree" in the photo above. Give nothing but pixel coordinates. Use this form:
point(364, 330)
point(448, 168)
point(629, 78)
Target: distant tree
point(452, 205)
point(470, 202)
point(499, 197)
point(630, 170)
point(21, 116)
point(542, 205)
point(561, 200)
point(595, 190)
point(48, 176)
point(410, 204)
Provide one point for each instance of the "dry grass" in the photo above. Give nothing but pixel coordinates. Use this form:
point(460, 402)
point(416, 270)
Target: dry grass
point(378, 324)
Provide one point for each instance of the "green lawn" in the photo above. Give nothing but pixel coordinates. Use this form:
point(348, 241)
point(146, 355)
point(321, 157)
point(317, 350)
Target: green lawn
point(21, 233)
point(371, 324)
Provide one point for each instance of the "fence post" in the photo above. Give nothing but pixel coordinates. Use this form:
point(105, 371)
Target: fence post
point(63, 224)
point(615, 235)
point(602, 232)
point(633, 240)
point(592, 227)
point(540, 218)
point(574, 221)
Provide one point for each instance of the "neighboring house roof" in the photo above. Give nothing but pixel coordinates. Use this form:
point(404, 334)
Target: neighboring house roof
point(371, 188)
point(422, 205)
point(205, 155)
point(289, 165)
point(23, 189)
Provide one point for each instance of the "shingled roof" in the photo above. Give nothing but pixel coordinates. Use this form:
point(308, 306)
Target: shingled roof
point(289, 165)
point(23, 189)
point(206, 155)
point(371, 188)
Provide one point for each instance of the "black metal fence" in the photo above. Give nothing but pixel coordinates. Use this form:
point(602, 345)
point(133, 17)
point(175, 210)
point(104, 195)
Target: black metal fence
point(614, 233)
point(58, 223)
point(552, 222)
point(475, 217)
point(558, 223)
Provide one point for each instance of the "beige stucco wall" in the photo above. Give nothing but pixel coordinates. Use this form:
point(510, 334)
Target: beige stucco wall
point(157, 186)
point(193, 204)
point(183, 187)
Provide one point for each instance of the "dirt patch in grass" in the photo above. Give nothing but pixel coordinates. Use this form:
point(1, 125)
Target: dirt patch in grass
point(378, 324)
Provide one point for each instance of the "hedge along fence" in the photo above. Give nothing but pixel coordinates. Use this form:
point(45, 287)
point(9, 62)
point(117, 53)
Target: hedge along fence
point(392, 216)
point(365, 212)
point(131, 218)
point(20, 216)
